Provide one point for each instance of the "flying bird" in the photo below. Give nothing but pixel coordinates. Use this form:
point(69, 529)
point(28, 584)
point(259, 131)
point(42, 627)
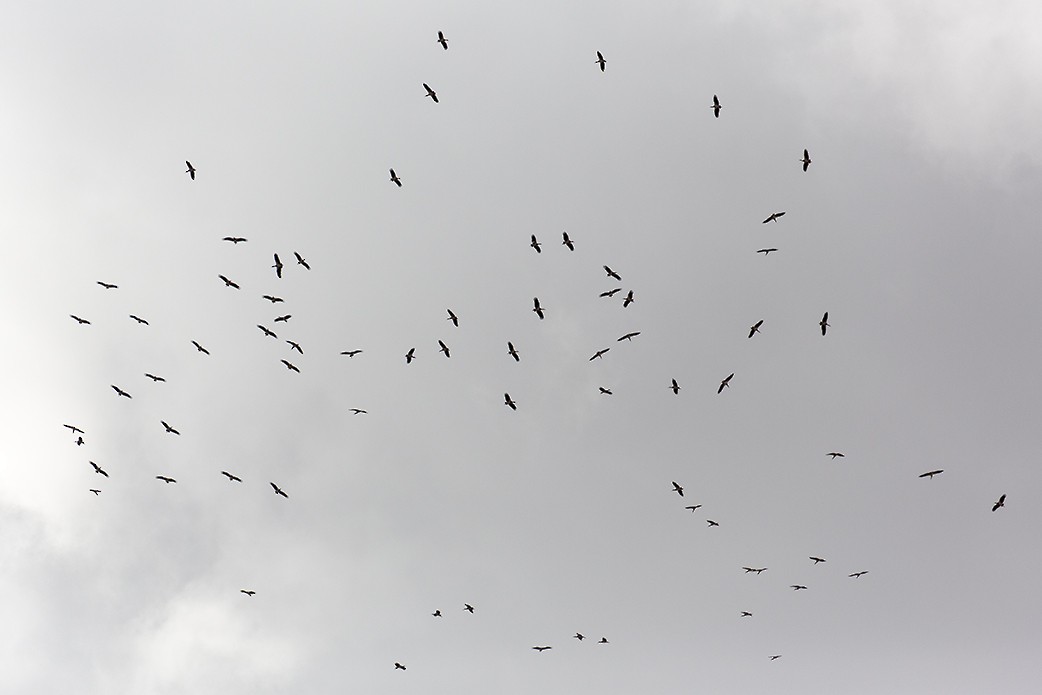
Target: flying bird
point(611, 293)
point(612, 274)
point(165, 479)
point(857, 575)
point(190, 170)
point(350, 353)
point(835, 455)
point(535, 245)
point(726, 382)
point(227, 282)
point(628, 336)
point(536, 308)
point(278, 490)
point(431, 93)
point(797, 587)
point(295, 346)
point(96, 492)
point(774, 656)
point(716, 107)
point(98, 469)
point(154, 378)
point(75, 429)
point(302, 261)
point(398, 666)
point(272, 299)
point(711, 523)
point(452, 317)
point(437, 613)
point(766, 251)
point(757, 570)
point(441, 39)
point(234, 239)
point(773, 217)
point(606, 392)
point(267, 332)
point(277, 266)
point(78, 320)
point(139, 319)
point(395, 180)
point(603, 640)
point(200, 348)
point(628, 300)
point(168, 428)
point(410, 356)
point(107, 286)
point(290, 366)
point(231, 478)
point(746, 614)
point(824, 323)
point(693, 507)
point(600, 61)
point(512, 352)
point(120, 392)
point(283, 319)
point(248, 592)
point(358, 411)
point(79, 441)
point(674, 386)
point(467, 607)
point(755, 328)
point(509, 401)
point(444, 348)
point(580, 636)
point(806, 159)
point(568, 242)
point(599, 353)
point(817, 559)
point(541, 649)
point(678, 488)
point(1000, 503)
point(931, 474)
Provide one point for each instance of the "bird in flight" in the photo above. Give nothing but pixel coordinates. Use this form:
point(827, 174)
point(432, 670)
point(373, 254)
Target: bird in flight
point(603, 640)
point(541, 649)
point(797, 587)
point(536, 308)
point(755, 328)
point(452, 317)
point(154, 378)
point(431, 93)
point(165, 479)
point(248, 592)
point(611, 293)
point(766, 251)
point(290, 366)
point(693, 507)
point(79, 441)
point(358, 411)
point(96, 492)
point(835, 455)
point(278, 490)
point(675, 387)
point(628, 300)
point(857, 575)
point(139, 319)
point(756, 570)
point(98, 469)
point(711, 523)
point(509, 401)
point(824, 323)
point(168, 428)
point(467, 607)
point(395, 180)
point(773, 217)
point(350, 353)
point(444, 348)
point(107, 286)
point(234, 239)
point(200, 348)
point(678, 488)
point(931, 474)
point(437, 613)
point(716, 107)
point(295, 346)
point(599, 353)
point(606, 392)
point(78, 320)
point(75, 429)
point(535, 245)
point(267, 332)
point(774, 656)
point(612, 274)
point(227, 282)
point(302, 261)
point(441, 39)
point(284, 318)
point(806, 159)
point(512, 352)
point(277, 266)
point(410, 356)
point(231, 478)
point(628, 336)
point(817, 559)
point(580, 636)
point(121, 392)
point(746, 614)
point(272, 299)
point(1000, 503)
point(398, 666)
point(726, 382)
point(568, 242)
point(190, 170)
point(600, 61)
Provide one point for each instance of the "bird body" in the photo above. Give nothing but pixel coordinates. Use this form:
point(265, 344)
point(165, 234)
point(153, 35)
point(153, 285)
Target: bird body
point(509, 401)
point(766, 251)
point(600, 61)
point(716, 107)
point(75, 429)
point(350, 353)
point(302, 261)
point(290, 366)
point(234, 239)
point(824, 323)
point(168, 428)
point(248, 592)
point(678, 488)
point(512, 352)
point(200, 348)
point(98, 469)
point(835, 455)
point(931, 474)
point(725, 383)
point(278, 490)
point(541, 649)
point(1000, 503)
point(806, 159)
point(395, 179)
point(599, 353)
point(139, 319)
point(568, 242)
point(277, 266)
point(431, 93)
point(604, 391)
point(77, 319)
point(755, 328)
point(227, 282)
point(535, 245)
point(190, 170)
point(674, 387)
point(537, 308)
point(612, 274)
point(231, 478)
point(295, 346)
point(628, 300)
point(283, 319)
point(452, 317)
point(817, 559)
point(165, 479)
point(272, 299)
point(773, 217)
point(444, 348)
point(410, 356)
point(154, 378)
point(797, 587)
point(628, 336)
point(121, 392)
point(107, 285)
point(441, 39)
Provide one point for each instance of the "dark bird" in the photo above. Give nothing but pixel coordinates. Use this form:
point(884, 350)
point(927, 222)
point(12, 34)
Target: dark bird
point(452, 317)
point(766, 251)
point(121, 392)
point(509, 401)
point(674, 386)
point(96, 492)
point(107, 286)
point(773, 217)
point(75, 429)
point(797, 587)
point(228, 283)
point(599, 353)
point(277, 266)
point(774, 656)
point(290, 366)
point(606, 392)
point(278, 490)
point(568, 242)
point(746, 614)
point(302, 261)
point(678, 488)
point(139, 319)
point(931, 474)
point(541, 649)
point(154, 378)
point(231, 478)
point(824, 323)
point(857, 575)
point(284, 318)
point(612, 274)
point(835, 455)
point(444, 348)
point(1000, 503)
point(267, 332)
point(78, 320)
point(817, 559)
point(467, 607)
point(726, 382)
point(431, 93)
point(628, 336)
point(397, 666)
point(441, 39)
point(755, 328)
point(603, 640)
point(98, 469)
point(190, 170)
point(358, 411)
point(200, 348)
point(350, 353)
point(168, 428)
point(248, 592)
point(512, 352)
point(437, 613)
point(711, 523)
point(536, 308)
point(395, 179)
point(580, 636)
point(295, 346)
point(611, 293)
point(410, 356)
point(79, 441)
point(600, 61)
point(628, 300)
point(716, 107)
point(806, 159)
point(535, 245)
point(693, 507)
point(234, 239)
point(757, 570)
point(273, 300)
point(165, 479)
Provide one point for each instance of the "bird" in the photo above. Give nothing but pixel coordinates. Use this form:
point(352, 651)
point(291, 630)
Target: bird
point(358, 411)
point(716, 107)
point(773, 217)
point(678, 488)
point(444, 348)
point(600, 61)
point(774, 656)
point(96, 492)
point(168, 428)
point(80, 321)
point(121, 392)
point(725, 382)
point(200, 348)
point(568, 242)
point(350, 353)
point(674, 386)
point(857, 575)
point(231, 478)
point(606, 392)
point(267, 332)
point(797, 587)
point(190, 170)
point(756, 570)
point(437, 613)
point(467, 607)
point(603, 640)
point(98, 469)
point(806, 159)
point(290, 366)
point(452, 317)
point(628, 336)
point(824, 323)
point(79, 441)
point(277, 266)
point(535, 245)
point(1000, 503)
point(746, 614)
point(302, 261)
point(410, 356)
point(395, 179)
point(536, 308)
point(766, 251)
point(228, 283)
point(628, 300)
point(611, 293)
point(755, 328)
point(278, 490)
point(612, 274)
point(234, 239)
point(431, 93)
point(397, 666)
point(509, 401)
point(931, 474)
point(817, 559)
point(295, 346)
point(165, 479)
point(154, 378)
point(711, 523)
point(835, 455)
point(75, 429)
point(272, 299)
point(599, 353)
point(512, 352)
point(580, 636)
point(441, 39)
point(248, 592)
point(283, 319)
point(541, 649)
point(107, 285)
point(139, 319)
point(693, 507)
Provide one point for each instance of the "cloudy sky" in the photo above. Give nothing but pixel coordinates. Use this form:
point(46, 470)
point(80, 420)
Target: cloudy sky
point(915, 228)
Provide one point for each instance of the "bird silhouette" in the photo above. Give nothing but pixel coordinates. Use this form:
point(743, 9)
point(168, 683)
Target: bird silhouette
point(716, 107)
point(693, 507)
point(168, 428)
point(797, 587)
point(835, 455)
point(75, 429)
point(283, 319)
point(272, 298)
point(107, 286)
point(467, 607)
point(711, 523)
point(612, 274)
point(1000, 503)
point(295, 346)
point(395, 179)
point(165, 479)
point(674, 387)
point(606, 392)
point(410, 356)
point(398, 666)
point(628, 300)
point(568, 242)
point(437, 613)
point(537, 309)
point(227, 282)
point(678, 488)
point(931, 474)
point(98, 469)
point(139, 319)
point(441, 39)
point(452, 317)
point(512, 352)
point(290, 366)
point(755, 328)
point(725, 383)
point(580, 636)
point(154, 378)
point(302, 261)
point(611, 293)
point(535, 245)
point(200, 348)
point(248, 592)
point(774, 657)
point(599, 353)
point(234, 239)
point(773, 217)
point(231, 478)
point(444, 348)
point(746, 614)
point(817, 559)
point(628, 336)
point(121, 392)
point(431, 93)
point(277, 266)
point(600, 61)
point(358, 411)
point(754, 570)
point(351, 353)
point(509, 401)
point(77, 319)
point(96, 492)
point(806, 159)
point(278, 490)
point(858, 575)
point(824, 323)
point(603, 640)
point(190, 170)
point(766, 251)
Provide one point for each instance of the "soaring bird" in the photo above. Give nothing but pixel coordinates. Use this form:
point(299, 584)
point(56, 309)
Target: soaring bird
point(725, 382)
point(766, 251)
point(272, 299)
point(98, 469)
point(535, 245)
point(350, 353)
point(441, 39)
point(120, 392)
point(541, 649)
point(603, 640)
point(509, 401)
point(606, 392)
point(302, 261)
point(290, 366)
point(674, 387)
point(431, 93)
point(817, 559)
point(278, 490)
point(154, 378)
point(467, 607)
point(628, 336)
point(678, 488)
point(234, 239)
point(358, 411)
point(857, 575)
point(444, 348)
point(824, 323)
point(248, 592)
point(231, 478)
point(277, 266)
point(107, 286)
point(580, 636)
point(797, 587)
point(746, 614)
point(774, 656)
point(757, 570)
point(227, 282)
point(773, 217)
point(931, 474)
point(398, 666)
point(437, 613)
point(410, 356)
point(568, 242)
point(267, 332)
point(78, 320)
point(190, 170)
point(283, 319)
point(165, 479)
point(452, 317)
point(79, 441)
point(395, 179)
point(755, 328)
point(200, 348)
point(806, 159)
point(612, 274)
point(711, 523)
point(599, 353)
point(835, 455)
point(628, 300)
point(1000, 503)
point(75, 429)
point(693, 507)
point(611, 293)
point(139, 319)
point(536, 308)
point(512, 352)
point(168, 428)
point(600, 60)
point(96, 492)
point(295, 346)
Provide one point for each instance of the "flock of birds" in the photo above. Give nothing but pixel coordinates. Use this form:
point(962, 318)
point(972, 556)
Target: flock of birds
point(410, 355)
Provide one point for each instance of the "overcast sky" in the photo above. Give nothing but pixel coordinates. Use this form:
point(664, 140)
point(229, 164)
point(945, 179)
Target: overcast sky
point(915, 227)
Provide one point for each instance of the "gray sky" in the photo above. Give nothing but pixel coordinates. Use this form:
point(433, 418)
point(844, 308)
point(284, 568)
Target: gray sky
point(914, 228)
